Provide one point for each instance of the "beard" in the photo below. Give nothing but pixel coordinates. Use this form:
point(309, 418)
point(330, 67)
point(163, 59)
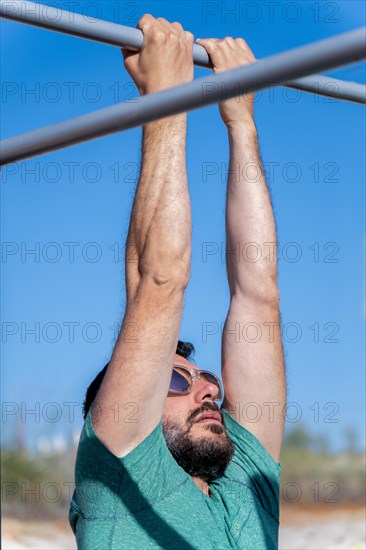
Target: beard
point(200, 456)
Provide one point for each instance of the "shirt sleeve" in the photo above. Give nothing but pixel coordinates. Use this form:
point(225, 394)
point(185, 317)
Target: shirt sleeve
point(107, 484)
point(253, 466)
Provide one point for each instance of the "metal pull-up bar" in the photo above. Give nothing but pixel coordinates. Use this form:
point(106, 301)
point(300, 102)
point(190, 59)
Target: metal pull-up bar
point(54, 19)
point(325, 54)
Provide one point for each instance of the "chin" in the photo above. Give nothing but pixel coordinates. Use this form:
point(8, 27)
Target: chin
point(211, 427)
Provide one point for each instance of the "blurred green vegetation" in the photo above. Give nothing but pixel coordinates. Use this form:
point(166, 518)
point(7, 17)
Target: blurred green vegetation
point(312, 474)
point(34, 485)
point(41, 485)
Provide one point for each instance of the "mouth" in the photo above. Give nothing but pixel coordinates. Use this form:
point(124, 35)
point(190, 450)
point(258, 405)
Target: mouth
point(209, 417)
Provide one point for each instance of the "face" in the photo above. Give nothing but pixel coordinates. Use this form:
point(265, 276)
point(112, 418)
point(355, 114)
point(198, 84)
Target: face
point(202, 447)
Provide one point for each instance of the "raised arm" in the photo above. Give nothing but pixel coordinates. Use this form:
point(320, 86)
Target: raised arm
point(252, 357)
point(130, 402)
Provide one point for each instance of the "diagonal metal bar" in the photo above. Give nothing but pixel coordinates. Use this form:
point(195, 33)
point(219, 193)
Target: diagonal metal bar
point(55, 19)
point(325, 54)
point(330, 87)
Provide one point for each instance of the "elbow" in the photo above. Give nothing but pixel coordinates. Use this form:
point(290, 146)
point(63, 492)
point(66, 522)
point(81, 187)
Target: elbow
point(269, 296)
point(173, 275)
point(272, 296)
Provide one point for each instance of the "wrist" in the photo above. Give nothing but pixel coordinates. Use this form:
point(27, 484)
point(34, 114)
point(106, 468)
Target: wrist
point(243, 135)
point(246, 126)
point(176, 122)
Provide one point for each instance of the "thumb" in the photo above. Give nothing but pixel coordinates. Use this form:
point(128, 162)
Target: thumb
point(127, 53)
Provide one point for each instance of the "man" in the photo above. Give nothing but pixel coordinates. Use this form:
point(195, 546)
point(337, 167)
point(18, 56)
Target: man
point(159, 464)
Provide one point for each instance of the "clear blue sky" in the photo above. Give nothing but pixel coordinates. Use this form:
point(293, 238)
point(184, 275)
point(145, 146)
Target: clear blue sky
point(314, 151)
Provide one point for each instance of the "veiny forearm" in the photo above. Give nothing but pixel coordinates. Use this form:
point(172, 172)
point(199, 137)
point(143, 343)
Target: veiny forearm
point(252, 269)
point(159, 237)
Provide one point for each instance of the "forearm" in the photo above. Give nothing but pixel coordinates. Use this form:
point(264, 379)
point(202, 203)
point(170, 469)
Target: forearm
point(159, 237)
point(253, 372)
point(251, 268)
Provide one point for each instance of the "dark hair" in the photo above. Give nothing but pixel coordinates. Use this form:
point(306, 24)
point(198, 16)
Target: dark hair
point(184, 349)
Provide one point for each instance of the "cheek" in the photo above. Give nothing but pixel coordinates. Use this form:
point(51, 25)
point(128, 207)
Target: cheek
point(175, 411)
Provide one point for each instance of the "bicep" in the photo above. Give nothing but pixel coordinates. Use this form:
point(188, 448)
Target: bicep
point(139, 372)
point(253, 371)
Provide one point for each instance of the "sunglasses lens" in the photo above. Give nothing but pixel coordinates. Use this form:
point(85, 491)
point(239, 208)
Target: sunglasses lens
point(179, 382)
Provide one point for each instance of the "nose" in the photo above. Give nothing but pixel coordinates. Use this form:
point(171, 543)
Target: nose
point(205, 390)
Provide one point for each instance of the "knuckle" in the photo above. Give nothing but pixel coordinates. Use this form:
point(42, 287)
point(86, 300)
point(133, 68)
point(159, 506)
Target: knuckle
point(224, 43)
point(173, 37)
point(145, 19)
point(211, 46)
point(205, 45)
point(159, 35)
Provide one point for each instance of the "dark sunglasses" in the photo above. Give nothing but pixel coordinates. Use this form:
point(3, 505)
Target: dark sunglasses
point(183, 379)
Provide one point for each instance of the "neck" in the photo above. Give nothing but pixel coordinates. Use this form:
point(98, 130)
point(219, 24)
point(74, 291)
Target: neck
point(202, 485)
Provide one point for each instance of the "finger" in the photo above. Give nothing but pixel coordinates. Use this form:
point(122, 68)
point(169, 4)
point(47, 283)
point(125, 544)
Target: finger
point(230, 41)
point(189, 35)
point(241, 42)
point(177, 26)
point(145, 22)
point(227, 45)
point(224, 48)
point(153, 27)
point(243, 45)
point(168, 27)
point(210, 44)
point(214, 48)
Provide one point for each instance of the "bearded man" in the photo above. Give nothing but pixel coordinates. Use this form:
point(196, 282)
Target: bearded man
point(159, 463)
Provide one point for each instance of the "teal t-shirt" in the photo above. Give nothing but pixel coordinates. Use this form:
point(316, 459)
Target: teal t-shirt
point(146, 500)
